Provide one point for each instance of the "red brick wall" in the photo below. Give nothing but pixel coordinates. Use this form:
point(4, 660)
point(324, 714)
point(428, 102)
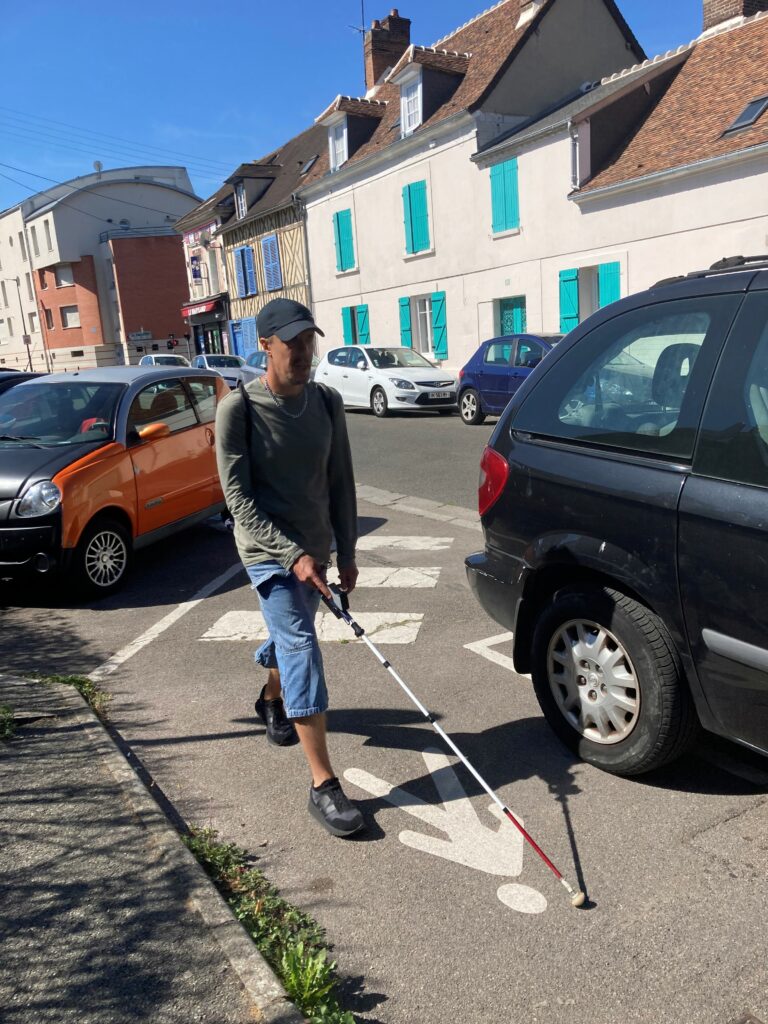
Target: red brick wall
point(82, 294)
point(151, 281)
point(717, 11)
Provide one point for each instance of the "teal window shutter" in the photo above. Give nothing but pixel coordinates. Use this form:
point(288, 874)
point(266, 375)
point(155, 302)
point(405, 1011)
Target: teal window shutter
point(569, 300)
point(408, 219)
point(250, 270)
point(363, 325)
point(337, 243)
point(609, 283)
point(347, 240)
point(512, 316)
point(505, 196)
point(239, 273)
point(419, 216)
point(439, 326)
point(406, 331)
point(347, 325)
point(270, 253)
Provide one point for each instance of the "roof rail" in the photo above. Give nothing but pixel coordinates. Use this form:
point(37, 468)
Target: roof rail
point(727, 265)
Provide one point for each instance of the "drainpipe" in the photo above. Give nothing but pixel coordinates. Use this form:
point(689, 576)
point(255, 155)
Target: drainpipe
point(574, 134)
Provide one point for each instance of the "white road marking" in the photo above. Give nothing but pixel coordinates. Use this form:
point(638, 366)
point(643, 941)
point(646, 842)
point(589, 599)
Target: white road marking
point(469, 841)
point(484, 649)
point(406, 577)
point(375, 541)
point(380, 627)
point(118, 659)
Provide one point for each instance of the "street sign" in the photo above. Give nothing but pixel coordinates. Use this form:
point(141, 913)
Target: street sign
point(140, 336)
point(26, 339)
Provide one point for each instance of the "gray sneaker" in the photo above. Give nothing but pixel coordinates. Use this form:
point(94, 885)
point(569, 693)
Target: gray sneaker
point(329, 805)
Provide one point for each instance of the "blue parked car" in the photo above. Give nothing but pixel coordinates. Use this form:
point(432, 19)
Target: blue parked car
point(496, 371)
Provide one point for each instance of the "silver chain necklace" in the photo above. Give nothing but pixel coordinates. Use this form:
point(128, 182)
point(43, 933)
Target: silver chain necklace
point(280, 405)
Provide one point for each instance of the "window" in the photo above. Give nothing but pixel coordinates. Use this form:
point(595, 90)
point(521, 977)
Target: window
point(33, 236)
point(43, 279)
point(585, 290)
point(30, 289)
point(48, 241)
point(636, 382)
point(3, 330)
point(337, 144)
point(499, 353)
point(9, 326)
point(33, 323)
point(308, 166)
point(64, 276)
point(339, 357)
point(22, 246)
point(422, 318)
point(416, 217)
point(245, 271)
point(213, 272)
point(49, 319)
point(70, 316)
point(528, 354)
point(4, 293)
point(410, 106)
point(241, 203)
point(270, 253)
point(753, 111)
point(163, 402)
point(505, 198)
point(344, 240)
point(203, 392)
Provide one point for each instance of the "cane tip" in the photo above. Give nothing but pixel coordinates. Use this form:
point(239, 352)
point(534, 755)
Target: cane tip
point(578, 899)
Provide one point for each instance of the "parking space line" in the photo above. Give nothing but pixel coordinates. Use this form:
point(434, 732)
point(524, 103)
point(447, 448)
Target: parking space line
point(408, 577)
point(375, 541)
point(127, 652)
point(383, 627)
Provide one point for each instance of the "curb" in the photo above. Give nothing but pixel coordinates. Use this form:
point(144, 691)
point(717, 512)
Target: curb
point(256, 976)
point(424, 507)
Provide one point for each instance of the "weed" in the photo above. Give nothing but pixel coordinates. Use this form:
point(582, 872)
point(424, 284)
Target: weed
point(289, 940)
point(7, 722)
point(97, 699)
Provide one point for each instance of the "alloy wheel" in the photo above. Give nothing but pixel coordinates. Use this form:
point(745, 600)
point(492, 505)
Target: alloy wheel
point(468, 405)
point(106, 558)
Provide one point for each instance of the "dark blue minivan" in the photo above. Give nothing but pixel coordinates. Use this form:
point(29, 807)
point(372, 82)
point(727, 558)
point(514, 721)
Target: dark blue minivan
point(496, 371)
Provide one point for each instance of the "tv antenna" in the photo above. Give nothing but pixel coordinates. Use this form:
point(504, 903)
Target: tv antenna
point(361, 28)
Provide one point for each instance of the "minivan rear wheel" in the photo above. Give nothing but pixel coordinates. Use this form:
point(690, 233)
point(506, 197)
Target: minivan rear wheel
point(609, 681)
point(470, 408)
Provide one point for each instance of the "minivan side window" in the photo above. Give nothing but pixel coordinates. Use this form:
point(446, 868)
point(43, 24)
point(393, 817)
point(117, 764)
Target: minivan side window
point(733, 444)
point(637, 381)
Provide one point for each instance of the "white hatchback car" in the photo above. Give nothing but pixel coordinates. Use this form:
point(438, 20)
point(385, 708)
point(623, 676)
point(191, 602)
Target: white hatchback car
point(230, 367)
point(387, 379)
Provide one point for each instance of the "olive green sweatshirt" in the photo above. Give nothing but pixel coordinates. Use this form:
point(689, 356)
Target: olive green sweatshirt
point(290, 487)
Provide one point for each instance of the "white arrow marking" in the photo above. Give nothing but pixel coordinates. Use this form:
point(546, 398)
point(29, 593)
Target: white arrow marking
point(484, 649)
point(469, 841)
point(381, 627)
point(373, 541)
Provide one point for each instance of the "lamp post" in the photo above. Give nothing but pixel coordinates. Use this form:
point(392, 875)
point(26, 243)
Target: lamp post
point(25, 334)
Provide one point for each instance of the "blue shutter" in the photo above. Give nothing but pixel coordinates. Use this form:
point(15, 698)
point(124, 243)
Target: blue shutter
point(419, 216)
point(609, 283)
point(363, 326)
point(237, 338)
point(270, 253)
point(408, 219)
point(347, 240)
point(250, 269)
point(569, 300)
point(337, 242)
point(248, 337)
point(406, 331)
point(239, 273)
point(347, 325)
point(439, 326)
point(505, 196)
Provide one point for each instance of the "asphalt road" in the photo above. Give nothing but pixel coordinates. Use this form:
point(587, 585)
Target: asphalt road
point(439, 913)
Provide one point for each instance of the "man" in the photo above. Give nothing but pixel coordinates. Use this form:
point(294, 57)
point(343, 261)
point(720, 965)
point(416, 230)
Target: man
point(286, 469)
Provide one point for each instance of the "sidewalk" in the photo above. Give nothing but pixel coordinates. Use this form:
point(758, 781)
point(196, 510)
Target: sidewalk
point(105, 915)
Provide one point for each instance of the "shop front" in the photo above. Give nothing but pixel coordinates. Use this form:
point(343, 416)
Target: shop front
point(207, 322)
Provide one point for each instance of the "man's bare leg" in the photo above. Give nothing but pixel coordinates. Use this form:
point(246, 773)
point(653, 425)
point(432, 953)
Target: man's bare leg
point(273, 689)
point(312, 735)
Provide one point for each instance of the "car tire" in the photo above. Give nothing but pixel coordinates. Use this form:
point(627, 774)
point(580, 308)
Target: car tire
point(379, 403)
point(470, 409)
point(103, 557)
point(609, 681)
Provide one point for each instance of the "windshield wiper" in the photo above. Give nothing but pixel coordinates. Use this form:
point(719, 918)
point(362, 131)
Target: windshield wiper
point(21, 437)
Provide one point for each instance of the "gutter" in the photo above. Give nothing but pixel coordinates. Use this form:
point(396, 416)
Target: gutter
point(670, 174)
point(398, 149)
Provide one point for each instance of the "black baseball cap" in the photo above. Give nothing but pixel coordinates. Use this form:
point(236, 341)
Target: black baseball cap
point(286, 319)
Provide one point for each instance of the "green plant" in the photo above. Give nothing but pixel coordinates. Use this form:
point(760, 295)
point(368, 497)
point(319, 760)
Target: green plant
point(289, 940)
point(7, 722)
point(96, 698)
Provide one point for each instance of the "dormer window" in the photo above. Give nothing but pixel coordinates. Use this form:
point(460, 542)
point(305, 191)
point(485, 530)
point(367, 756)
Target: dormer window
point(241, 203)
point(410, 104)
point(337, 143)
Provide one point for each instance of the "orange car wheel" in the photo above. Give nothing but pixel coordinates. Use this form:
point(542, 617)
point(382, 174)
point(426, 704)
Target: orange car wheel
point(103, 557)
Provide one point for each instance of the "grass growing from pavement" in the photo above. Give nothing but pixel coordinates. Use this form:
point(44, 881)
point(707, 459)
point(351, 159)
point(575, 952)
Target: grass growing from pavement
point(88, 690)
point(7, 722)
point(289, 940)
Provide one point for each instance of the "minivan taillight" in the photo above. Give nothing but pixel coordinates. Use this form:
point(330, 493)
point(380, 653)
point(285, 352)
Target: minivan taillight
point(494, 470)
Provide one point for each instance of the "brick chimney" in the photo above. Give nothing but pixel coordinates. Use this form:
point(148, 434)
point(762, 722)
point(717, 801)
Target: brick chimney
point(718, 11)
point(385, 44)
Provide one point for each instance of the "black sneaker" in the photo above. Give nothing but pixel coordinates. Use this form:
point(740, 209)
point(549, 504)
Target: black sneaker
point(280, 730)
point(329, 805)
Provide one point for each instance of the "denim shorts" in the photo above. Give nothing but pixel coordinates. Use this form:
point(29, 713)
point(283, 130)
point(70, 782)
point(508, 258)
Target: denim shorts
point(289, 608)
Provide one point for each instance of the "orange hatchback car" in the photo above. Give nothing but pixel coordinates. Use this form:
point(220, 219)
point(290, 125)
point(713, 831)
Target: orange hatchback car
point(99, 463)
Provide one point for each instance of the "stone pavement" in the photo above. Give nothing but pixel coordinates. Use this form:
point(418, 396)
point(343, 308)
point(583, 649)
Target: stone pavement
point(105, 916)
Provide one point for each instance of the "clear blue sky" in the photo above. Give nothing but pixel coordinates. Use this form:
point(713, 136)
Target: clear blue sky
point(208, 84)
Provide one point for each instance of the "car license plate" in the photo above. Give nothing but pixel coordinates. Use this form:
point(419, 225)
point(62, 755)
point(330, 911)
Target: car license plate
point(439, 395)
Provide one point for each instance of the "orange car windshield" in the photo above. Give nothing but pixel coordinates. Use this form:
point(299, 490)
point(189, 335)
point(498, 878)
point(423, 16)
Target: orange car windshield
point(69, 412)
